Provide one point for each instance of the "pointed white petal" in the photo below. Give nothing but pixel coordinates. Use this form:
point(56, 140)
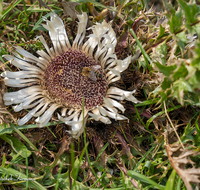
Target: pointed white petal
point(113, 76)
point(120, 92)
point(111, 109)
point(115, 104)
point(77, 124)
point(102, 111)
point(113, 115)
point(81, 30)
point(110, 63)
point(21, 74)
point(89, 46)
point(41, 111)
point(22, 64)
point(44, 55)
point(108, 56)
point(103, 36)
point(77, 127)
point(122, 65)
point(77, 112)
point(26, 104)
point(28, 56)
point(20, 82)
point(116, 97)
point(52, 54)
point(57, 33)
point(44, 119)
point(100, 118)
point(63, 111)
point(70, 111)
point(28, 116)
point(110, 33)
point(34, 97)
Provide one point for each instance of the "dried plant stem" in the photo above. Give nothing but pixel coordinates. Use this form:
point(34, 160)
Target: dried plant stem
point(173, 125)
point(5, 63)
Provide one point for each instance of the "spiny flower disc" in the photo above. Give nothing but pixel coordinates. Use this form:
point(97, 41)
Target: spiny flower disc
point(66, 84)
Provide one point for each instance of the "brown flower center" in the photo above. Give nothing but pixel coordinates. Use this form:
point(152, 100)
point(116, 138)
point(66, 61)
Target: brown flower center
point(66, 83)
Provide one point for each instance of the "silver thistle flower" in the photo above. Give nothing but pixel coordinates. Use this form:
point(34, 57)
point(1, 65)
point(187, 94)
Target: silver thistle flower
point(54, 79)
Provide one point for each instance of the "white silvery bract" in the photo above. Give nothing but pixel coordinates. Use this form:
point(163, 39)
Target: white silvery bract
point(42, 101)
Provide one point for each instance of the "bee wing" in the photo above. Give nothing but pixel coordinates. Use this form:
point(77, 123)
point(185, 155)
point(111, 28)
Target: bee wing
point(92, 76)
point(96, 67)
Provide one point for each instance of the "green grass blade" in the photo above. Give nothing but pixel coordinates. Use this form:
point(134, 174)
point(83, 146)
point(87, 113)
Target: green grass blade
point(145, 179)
point(21, 178)
point(171, 181)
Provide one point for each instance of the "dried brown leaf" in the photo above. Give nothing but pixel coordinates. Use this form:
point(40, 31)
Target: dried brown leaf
point(123, 39)
point(99, 144)
point(180, 159)
point(42, 4)
point(92, 9)
point(101, 15)
point(28, 2)
point(3, 65)
point(69, 8)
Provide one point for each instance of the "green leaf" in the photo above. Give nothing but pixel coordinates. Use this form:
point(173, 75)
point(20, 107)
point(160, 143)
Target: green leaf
point(170, 9)
point(182, 84)
point(195, 62)
point(181, 72)
point(164, 95)
point(161, 32)
point(191, 11)
point(194, 80)
point(181, 45)
point(16, 145)
point(171, 181)
point(162, 52)
point(183, 36)
point(166, 70)
point(175, 22)
point(187, 139)
point(166, 83)
point(179, 88)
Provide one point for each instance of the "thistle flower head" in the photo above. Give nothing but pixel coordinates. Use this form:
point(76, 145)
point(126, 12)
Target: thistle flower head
point(59, 78)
